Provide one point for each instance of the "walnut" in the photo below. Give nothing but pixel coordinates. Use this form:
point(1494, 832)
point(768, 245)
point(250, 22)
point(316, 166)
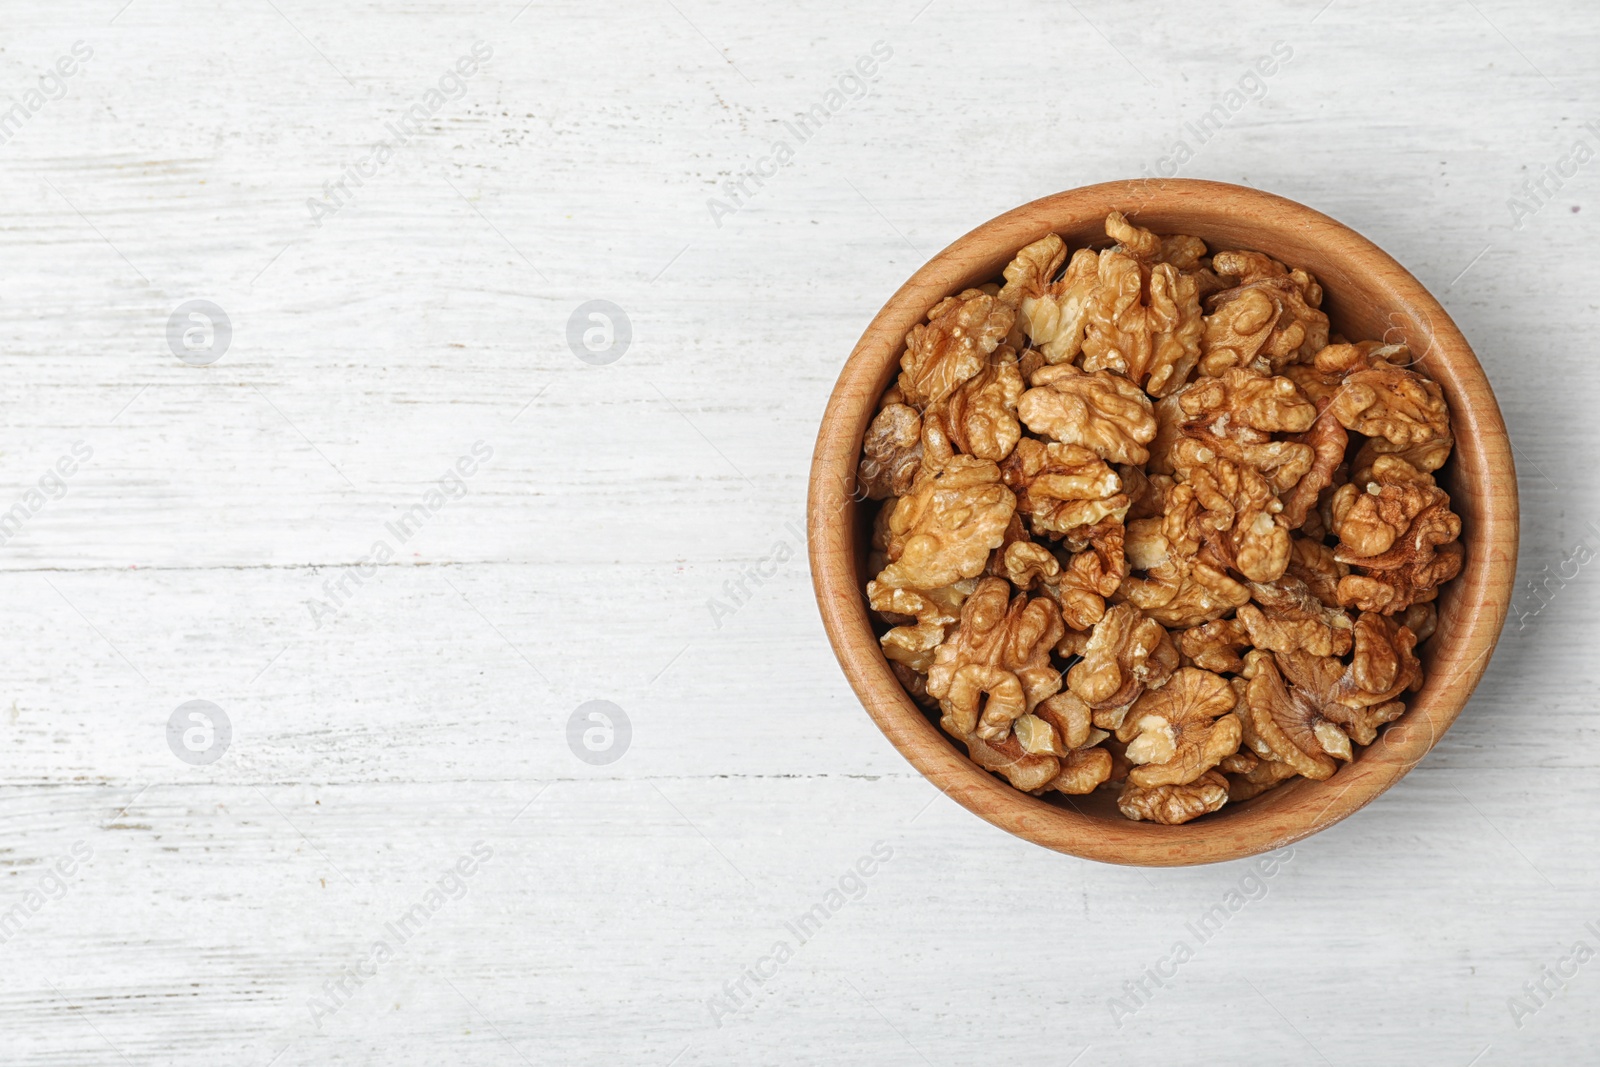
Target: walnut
point(1172, 805)
point(1215, 646)
point(1176, 326)
point(914, 683)
point(1083, 771)
point(1247, 784)
point(1382, 667)
point(1178, 732)
point(1235, 416)
point(1061, 488)
point(1236, 330)
point(1327, 440)
point(997, 661)
point(1316, 565)
point(1294, 331)
point(1026, 565)
point(1179, 589)
point(952, 346)
point(1380, 399)
point(1296, 716)
point(1101, 411)
point(935, 611)
point(946, 527)
point(1023, 769)
point(1094, 571)
point(1288, 617)
point(1400, 534)
point(1117, 330)
point(891, 452)
point(981, 413)
point(1053, 311)
point(1421, 619)
point(1126, 654)
point(1234, 512)
point(1070, 719)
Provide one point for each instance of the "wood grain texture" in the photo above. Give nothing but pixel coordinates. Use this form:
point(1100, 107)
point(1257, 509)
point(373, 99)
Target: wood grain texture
point(1367, 296)
point(370, 752)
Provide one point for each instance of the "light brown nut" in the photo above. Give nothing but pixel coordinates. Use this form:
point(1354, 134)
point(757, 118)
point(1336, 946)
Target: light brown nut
point(981, 414)
point(1102, 411)
point(1236, 330)
point(1176, 326)
point(1297, 328)
point(1237, 414)
point(1421, 619)
point(1083, 771)
point(1328, 442)
point(1383, 665)
point(1428, 456)
point(915, 684)
point(1172, 805)
point(1062, 488)
point(1369, 518)
point(1000, 649)
point(1026, 565)
point(891, 452)
point(1294, 714)
point(1288, 617)
point(1251, 783)
point(1178, 590)
point(1316, 565)
point(1170, 421)
point(1178, 732)
point(1136, 241)
point(952, 346)
point(1236, 516)
point(1023, 769)
point(945, 528)
point(1399, 534)
point(1117, 332)
point(1069, 716)
point(1126, 654)
point(935, 611)
point(1052, 311)
point(1392, 402)
point(1214, 646)
point(1094, 571)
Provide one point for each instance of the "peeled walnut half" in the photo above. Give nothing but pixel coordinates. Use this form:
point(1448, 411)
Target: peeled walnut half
point(1236, 512)
point(1237, 414)
point(1287, 617)
point(1381, 398)
point(952, 346)
point(935, 611)
point(1053, 310)
point(1173, 805)
point(1093, 572)
point(1293, 713)
point(1126, 653)
point(1382, 668)
point(891, 453)
point(1103, 412)
point(1215, 646)
point(981, 414)
point(1023, 769)
point(1291, 332)
point(995, 667)
point(945, 528)
point(1062, 488)
point(1400, 535)
point(1178, 589)
point(1178, 732)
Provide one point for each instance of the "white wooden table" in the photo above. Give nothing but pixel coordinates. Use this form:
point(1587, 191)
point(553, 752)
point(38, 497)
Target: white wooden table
point(393, 854)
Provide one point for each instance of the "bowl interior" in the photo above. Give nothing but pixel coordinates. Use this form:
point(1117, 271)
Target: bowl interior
point(1367, 296)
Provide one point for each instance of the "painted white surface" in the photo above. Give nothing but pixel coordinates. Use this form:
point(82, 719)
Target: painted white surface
point(370, 752)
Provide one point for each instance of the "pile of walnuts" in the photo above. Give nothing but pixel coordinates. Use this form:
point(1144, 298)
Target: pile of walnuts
point(1146, 525)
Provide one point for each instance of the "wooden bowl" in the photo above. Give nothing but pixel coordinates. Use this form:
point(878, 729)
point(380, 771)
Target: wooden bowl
point(1367, 295)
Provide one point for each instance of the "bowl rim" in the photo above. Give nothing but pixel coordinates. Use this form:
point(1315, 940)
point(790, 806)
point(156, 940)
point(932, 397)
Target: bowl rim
point(1457, 659)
